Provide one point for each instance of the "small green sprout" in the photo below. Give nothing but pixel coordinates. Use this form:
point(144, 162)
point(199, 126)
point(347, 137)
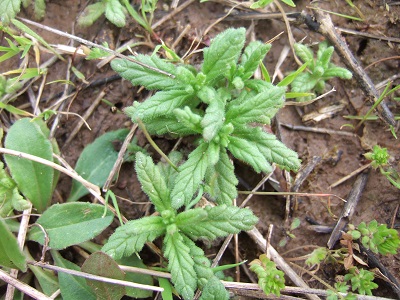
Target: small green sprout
point(361, 280)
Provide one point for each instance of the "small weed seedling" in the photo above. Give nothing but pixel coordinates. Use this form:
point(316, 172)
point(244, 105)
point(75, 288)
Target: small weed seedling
point(221, 105)
point(189, 268)
point(320, 69)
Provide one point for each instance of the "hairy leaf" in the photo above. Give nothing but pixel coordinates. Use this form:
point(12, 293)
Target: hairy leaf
point(152, 182)
point(324, 56)
point(303, 83)
point(189, 119)
point(223, 52)
point(9, 9)
point(162, 103)
point(132, 236)
point(337, 72)
point(150, 79)
point(191, 173)
point(214, 290)
point(180, 265)
point(167, 171)
point(221, 180)
point(212, 222)
point(260, 107)
point(305, 54)
point(91, 13)
point(252, 55)
point(248, 152)
point(170, 125)
point(115, 13)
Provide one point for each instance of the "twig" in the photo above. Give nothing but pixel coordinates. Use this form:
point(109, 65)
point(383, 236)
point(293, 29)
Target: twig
point(173, 13)
point(368, 35)
point(355, 172)
point(317, 130)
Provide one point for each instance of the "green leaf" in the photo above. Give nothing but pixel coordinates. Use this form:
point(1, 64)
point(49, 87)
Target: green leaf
point(9, 9)
point(260, 107)
point(167, 171)
point(170, 125)
point(151, 80)
point(317, 256)
point(96, 161)
point(288, 79)
point(324, 55)
point(11, 255)
point(63, 224)
point(289, 2)
point(215, 112)
point(253, 54)
point(132, 236)
point(221, 180)
point(71, 287)
point(222, 54)
point(189, 119)
point(91, 13)
point(248, 152)
point(101, 264)
point(337, 72)
point(153, 184)
point(115, 13)
point(162, 103)
point(214, 289)
point(260, 4)
point(180, 264)
point(305, 54)
point(39, 9)
point(34, 180)
point(270, 279)
point(303, 83)
point(212, 222)
point(166, 285)
point(191, 173)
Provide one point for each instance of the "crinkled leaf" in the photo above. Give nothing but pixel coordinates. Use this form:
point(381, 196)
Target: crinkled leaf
point(324, 56)
point(212, 222)
point(180, 265)
point(96, 161)
point(191, 173)
point(337, 72)
point(151, 80)
point(34, 180)
point(132, 236)
point(91, 13)
point(63, 224)
point(162, 103)
point(170, 125)
point(259, 107)
point(248, 152)
point(115, 13)
point(270, 279)
point(303, 83)
point(215, 112)
point(189, 119)
point(9, 9)
point(304, 53)
point(223, 52)
point(317, 256)
point(71, 287)
point(221, 180)
point(253, 54)
point(101, 264)
point(152, 182)
point(167, 171)
point(11, 255)
point(214, 290)
point(270, 147)
point(39, 9)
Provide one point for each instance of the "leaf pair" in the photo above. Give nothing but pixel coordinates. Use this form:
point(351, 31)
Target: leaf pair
point(185, 259)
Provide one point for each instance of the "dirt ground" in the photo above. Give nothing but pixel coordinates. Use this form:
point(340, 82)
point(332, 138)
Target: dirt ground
point(340, 154)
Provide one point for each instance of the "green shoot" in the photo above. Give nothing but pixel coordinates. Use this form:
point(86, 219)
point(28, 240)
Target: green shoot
point(361, 280)
point(264, 3)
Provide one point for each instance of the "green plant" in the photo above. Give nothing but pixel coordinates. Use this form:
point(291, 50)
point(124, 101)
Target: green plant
point(319, 69)
point(11, 8)
point(361, 280)
point(264, 3)
point(221, 105)
point(189, 267)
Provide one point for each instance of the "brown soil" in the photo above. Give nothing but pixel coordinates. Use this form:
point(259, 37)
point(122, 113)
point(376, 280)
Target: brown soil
point(340, 154)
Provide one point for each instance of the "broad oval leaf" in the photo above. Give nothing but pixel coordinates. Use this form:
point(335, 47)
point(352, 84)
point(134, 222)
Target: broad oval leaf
point(64, 224)
point(11, 255)
point(101, 264)
point(34, 180)
point(96, 162)
point(9, 8)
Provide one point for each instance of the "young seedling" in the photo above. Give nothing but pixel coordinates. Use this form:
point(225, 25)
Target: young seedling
point(189, 267)
point(319, 69)
point(221, 105)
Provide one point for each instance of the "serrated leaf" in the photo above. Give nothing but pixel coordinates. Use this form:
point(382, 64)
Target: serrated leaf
point(212, 222)
point(191, 173)
point(132, 236)
point(271, 148)
point(115, 13)
point(261, 106)
point(162, 103)
point(253, 54)
point(71, 287)
point(9, 8)
point(337, 72)
point(189, 119)
point(221, 180)
point(248, 152)
point(91, 13)
point(215, 112)
point(151, 80)
point(11, 255)
point(63, 224)
point(303, 83)
point(317, 256)
point(223, 52)
point(152, 182)
point(96, 161)
point(305, 54)
point(167, 171)
point(101, 264)
point(180, 265)
point(172, 126)
point(270, 279)
point(34, 180)
point(214, 290)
